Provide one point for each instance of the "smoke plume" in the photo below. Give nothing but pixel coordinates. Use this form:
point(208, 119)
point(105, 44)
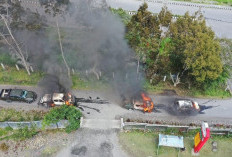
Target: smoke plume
point(92, 39)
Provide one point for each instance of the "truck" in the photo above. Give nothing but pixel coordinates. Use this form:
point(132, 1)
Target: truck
point(20, 95)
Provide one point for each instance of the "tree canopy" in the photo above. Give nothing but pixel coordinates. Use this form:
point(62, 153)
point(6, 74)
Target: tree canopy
point(183, 46)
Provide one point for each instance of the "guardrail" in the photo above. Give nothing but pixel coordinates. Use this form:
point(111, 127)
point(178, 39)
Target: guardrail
point(38, 124)
point(161, 127)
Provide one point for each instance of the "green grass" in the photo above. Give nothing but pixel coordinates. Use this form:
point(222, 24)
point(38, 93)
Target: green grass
point(144, 144)
point(91, 84)
point(13, 115)
point(211, 92)
point(19, 134)
point(12, 76)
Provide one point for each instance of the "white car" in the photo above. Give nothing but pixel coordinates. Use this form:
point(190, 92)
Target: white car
point(186, 105)
point(58, 99)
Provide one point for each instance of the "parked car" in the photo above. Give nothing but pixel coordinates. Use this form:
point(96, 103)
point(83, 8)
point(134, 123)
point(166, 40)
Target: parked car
point(21, 95)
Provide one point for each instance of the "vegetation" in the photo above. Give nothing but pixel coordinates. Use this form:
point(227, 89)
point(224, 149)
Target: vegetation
point(22, 133)
point(125, 17)
point(13, 115)
point(4, 147)
point(139, 143)
point(12, 76)
point(64, 112)
point(184, 49)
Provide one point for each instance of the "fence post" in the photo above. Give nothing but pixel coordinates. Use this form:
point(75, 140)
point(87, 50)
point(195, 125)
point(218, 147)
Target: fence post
point(3, 67)
point(17, 67)
point(81, 122)
point(122, 124)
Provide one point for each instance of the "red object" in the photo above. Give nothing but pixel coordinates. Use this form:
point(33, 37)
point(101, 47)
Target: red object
point(203, 140)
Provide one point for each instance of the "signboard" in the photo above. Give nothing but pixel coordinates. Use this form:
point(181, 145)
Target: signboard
point(197, 139)
point(201, 137)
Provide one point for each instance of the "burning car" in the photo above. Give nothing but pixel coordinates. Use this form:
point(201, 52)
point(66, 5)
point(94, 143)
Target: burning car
point(186, 106)
point(139, 102)
point(58, 99)
point(18, 95)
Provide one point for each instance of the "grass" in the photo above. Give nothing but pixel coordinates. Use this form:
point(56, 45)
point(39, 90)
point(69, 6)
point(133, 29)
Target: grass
point(88, 84)
point(14, 115)
point(144, 144)
point(19, 134)
point(212, 92)
point(14, 77)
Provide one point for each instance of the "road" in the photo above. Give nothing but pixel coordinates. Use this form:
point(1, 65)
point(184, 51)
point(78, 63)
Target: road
point(219, 18)
point(98, 142)
point(220, 108)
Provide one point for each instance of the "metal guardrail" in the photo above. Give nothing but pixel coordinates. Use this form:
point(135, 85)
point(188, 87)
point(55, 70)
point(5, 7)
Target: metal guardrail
point(38, 124)
point(161, 127)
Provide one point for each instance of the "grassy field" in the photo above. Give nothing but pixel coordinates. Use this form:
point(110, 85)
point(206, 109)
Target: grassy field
point(13, 77)
point(15, 116)
point(140, 144)
point(213, 92)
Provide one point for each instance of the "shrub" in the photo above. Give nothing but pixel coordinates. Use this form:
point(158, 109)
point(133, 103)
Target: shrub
point(4, 147)
point(63, 112)
point(24, 133)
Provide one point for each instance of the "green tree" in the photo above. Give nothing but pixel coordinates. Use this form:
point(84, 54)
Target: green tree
point(165, 17)
point(144, 36)
point(195, 52)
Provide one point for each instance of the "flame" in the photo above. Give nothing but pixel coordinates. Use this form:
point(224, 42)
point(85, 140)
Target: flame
point(148, 104)
point(69, 100)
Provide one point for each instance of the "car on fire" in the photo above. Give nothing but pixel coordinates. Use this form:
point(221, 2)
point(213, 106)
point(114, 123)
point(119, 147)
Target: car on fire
point(139, 101)
point(21, 95)
point(186, 106)
point(58, 99)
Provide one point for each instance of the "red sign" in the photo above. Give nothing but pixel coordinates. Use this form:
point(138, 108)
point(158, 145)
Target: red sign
point(201, 137)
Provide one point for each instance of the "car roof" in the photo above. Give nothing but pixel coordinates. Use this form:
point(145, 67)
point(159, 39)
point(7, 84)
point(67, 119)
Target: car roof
point(58, 96)
point(16, 92)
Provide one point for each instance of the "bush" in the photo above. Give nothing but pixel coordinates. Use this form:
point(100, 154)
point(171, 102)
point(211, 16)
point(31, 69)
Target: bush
point(4, 147)
point(24, 133)
point(63, 112)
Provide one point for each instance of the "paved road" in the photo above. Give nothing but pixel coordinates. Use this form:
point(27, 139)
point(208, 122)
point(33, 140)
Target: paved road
point(219, 110)
point(219, 18)
point(101, 141)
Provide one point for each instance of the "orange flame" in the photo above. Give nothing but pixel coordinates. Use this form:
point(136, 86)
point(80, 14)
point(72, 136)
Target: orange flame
point(148, 104)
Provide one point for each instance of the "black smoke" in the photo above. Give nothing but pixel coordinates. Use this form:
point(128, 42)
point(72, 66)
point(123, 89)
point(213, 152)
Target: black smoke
point(93, 39)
